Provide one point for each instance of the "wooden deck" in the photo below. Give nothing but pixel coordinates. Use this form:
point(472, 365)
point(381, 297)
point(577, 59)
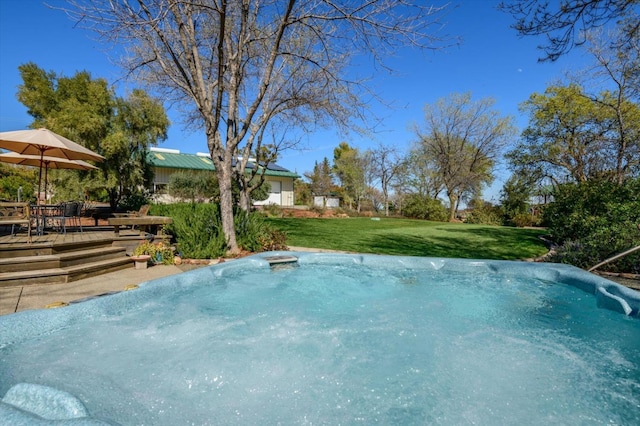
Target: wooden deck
point(52, 238)
point(92, 230)
point(56, 257)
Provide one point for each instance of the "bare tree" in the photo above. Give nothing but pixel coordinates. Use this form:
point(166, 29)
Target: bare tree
point(421, 174)
point(565, 23)
point(238, 65)
point(387, 166)
point(619, 66)
point(464, 139)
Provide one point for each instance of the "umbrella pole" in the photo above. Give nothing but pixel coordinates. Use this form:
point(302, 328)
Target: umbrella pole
point(40, 175)
point(46, 181)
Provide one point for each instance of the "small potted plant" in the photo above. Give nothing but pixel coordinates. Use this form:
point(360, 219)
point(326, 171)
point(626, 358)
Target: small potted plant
point(155, 253)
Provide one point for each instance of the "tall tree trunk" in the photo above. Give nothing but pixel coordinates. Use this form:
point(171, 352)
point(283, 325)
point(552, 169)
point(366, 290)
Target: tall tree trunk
point(452, 207)
point(225, 177)
point(245, 200)
point(226, 208)
point(386, 203)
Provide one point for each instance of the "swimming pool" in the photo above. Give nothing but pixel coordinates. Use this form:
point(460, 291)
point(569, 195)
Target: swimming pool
point(334, 339)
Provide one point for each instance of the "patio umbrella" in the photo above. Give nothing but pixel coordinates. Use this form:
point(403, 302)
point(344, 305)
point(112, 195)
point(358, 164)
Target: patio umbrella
point(48, 162)
point(43, 141)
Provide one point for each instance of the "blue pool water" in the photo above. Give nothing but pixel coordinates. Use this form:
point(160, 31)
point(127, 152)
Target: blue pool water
point(334, 339)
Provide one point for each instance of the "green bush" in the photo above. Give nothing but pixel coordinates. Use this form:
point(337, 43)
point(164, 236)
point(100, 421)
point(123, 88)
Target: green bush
point(272, 239)
point(593, 221)
point(485, 213)
point(272, 210)
point(249, 227)
point(133, 202)
point(523, 219)
point(197, 229)
point(422, 207)
point(591, 250)
point(160, 253)
point(255, 235)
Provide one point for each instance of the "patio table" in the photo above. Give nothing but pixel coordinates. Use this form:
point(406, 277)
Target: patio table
point(41, 213)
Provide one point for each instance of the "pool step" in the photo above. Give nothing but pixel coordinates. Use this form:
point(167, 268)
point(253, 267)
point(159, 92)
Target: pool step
point(281, 259)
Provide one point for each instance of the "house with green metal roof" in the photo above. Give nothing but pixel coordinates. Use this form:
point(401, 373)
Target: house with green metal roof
point(165, 162)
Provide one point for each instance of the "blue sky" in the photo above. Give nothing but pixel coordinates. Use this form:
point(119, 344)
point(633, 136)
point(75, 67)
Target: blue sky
point(492, 61)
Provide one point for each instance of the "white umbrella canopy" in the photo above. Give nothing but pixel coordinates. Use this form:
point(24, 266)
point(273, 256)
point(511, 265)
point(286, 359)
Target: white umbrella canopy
point(41, 141)
point(44, 141)
point(47, 161)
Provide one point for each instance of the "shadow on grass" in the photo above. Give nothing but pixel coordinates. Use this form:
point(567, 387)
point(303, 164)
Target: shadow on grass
point(468, 243)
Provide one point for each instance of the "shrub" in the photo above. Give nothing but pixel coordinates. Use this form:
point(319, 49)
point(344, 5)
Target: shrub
point(134, 201)
point(514, 199)
point(422, 207)
point(249, 227)
point(580, 210)
point(594, 220)
point(272, 239)
point(589, 251)
point(197, 228)
point(523, 219)
point(317, 209)
point(160, 252)
point(485, 213)
point(272, 210)
point(255, 235)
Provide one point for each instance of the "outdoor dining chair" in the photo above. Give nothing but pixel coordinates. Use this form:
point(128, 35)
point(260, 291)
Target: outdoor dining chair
point(77, 217)
point(66, 212)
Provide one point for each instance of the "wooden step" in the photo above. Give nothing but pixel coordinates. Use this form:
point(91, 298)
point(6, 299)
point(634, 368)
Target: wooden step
point(65, 258)
point(62, 260)
point(64, 275)
point(48, 247)
point(85, 270)
point(11, 252)
point(80, 257)
point(65, 247)
point(41, 276)
point(29, 263)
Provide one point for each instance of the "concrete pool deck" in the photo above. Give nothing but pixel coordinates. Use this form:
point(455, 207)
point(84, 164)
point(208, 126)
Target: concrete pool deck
point(38, 296)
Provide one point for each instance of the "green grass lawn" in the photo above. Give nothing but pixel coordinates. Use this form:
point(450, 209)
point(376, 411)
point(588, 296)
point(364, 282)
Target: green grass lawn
point(413, 237)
